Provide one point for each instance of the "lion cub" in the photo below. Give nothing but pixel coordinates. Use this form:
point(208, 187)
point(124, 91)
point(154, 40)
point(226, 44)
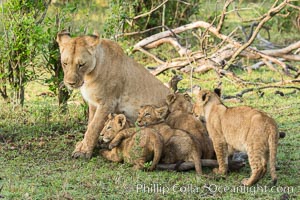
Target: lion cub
point(130, 145)
point(178, 145)
point(243, 129)
point(181, 117)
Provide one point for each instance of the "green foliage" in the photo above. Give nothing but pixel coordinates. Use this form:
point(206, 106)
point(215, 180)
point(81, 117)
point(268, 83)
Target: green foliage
point(125, 16)
point(20, 41)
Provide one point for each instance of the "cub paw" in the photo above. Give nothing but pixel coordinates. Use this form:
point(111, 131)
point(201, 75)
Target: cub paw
point(103, 152)
point(217, 171)
point(112, 145)
point(245, 182)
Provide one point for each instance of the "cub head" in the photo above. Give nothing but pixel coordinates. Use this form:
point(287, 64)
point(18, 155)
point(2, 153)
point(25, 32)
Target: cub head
point(180, 102)
point(204, 99)
point(78, 57)
point(112, 126)
point(149, 115)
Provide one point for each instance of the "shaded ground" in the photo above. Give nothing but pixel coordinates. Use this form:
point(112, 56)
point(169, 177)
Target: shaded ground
point(36, 145)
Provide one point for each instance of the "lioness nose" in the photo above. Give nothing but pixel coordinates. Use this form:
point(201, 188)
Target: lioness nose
point(71, 83)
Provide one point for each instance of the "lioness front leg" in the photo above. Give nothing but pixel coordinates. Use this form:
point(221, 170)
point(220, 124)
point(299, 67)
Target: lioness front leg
point(84, 149)
point(92, 110)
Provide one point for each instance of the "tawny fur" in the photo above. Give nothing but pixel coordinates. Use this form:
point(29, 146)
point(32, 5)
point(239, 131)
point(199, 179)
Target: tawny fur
point(109, 81)
point(180, 117)
point(242, 129)
point(178, 145)
point(133, 146)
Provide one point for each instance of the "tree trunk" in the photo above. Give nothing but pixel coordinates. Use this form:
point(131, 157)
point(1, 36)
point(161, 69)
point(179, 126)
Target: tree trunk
point(63, 96)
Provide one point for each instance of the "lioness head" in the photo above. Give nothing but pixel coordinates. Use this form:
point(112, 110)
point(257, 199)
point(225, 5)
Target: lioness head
point(204, 98)
point(113, 125)
point(178, 101)
point(149, 115)
point(78, 57)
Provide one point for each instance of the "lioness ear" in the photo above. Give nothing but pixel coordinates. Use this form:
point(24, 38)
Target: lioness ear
point(121, 120)
point(217, 91)
point(187, 97)
point(162, 112)
point(63, 37)
point(170, 98)
point(93, 40)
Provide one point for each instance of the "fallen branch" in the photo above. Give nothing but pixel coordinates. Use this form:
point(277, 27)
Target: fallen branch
point(175, 64)
point(245, 91)
point(224, 53)
point(232, 165)
point(173, 41)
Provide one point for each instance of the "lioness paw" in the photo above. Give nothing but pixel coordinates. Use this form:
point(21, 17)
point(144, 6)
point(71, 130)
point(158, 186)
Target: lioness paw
point(81, 152)
point(77, 154)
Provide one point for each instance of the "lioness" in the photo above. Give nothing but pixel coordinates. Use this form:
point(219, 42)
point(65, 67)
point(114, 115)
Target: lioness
point(109, 81)
point(178, 145)
point(180, 117)
point(129, 145)
point(240, 128)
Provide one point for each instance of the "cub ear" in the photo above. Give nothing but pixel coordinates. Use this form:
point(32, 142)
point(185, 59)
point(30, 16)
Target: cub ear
point(204, 96)
point(170, 98)
point(63, 37)
point(162, 112)
point(111, 116)
point(121, 120)
point(95, 34)
point(218, 91)
point(187, 97)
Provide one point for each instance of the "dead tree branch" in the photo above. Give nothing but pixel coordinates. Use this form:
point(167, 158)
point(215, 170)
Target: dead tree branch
point(245, 91)
point(222, 18)
point(151, 11)
point(222, 55)
point(173, 41)
point(273, 11)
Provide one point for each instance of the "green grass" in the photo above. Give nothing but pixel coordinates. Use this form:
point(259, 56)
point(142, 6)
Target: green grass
point(36, 142)
point(36, 145)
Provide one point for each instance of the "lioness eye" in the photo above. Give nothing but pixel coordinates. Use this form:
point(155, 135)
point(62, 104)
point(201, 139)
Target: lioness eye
point(108, 128)
point(65, 64)
point(147, 115)
point(81, 65)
